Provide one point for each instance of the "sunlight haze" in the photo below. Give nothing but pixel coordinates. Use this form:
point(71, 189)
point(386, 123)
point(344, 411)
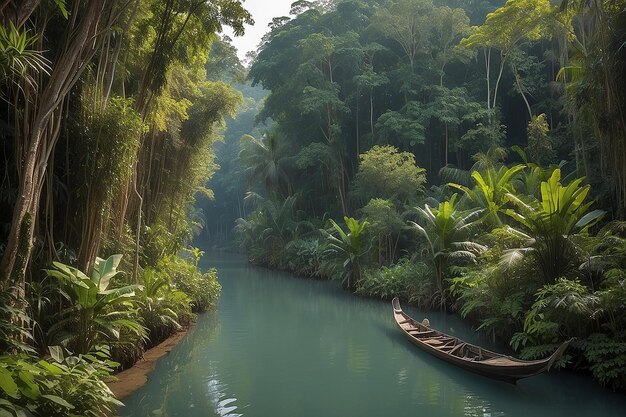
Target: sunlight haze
point(262, 12)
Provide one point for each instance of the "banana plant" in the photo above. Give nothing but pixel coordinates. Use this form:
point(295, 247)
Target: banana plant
point(93, 313)
point(348, 247)
point(491, 189)
point(562, 211)
point(446, 230)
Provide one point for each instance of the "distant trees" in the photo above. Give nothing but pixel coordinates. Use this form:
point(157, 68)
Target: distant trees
point(516, 22)
point(377, 90)
point(386, 173)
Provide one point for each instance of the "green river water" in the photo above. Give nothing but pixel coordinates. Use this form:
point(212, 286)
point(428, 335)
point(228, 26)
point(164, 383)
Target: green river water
point(280, 346)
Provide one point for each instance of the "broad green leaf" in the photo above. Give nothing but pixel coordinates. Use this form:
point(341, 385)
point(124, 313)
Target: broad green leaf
point(56, 352)
point(5, 413)
point(104, 270)
point(51, 368)
point(58, 400)
point(7, 383)
point(591, 217)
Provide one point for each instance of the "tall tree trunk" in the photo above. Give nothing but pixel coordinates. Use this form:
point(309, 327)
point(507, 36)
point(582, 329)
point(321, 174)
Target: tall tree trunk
point(495, 89)
point(18, 14)
point(358, 150)
point(445, 149)
point(487, 54)
point(372, 112)
point(521, 91)
point(83, 34)
point(342, 187)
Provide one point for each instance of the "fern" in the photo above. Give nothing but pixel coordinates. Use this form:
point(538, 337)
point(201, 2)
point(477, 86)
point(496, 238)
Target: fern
point(607, 359)
point(538, 351)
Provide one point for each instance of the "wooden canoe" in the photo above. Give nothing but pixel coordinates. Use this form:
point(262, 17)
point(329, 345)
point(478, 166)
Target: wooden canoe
point(468, 356)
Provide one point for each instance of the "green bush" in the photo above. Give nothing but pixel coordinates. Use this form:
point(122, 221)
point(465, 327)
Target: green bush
point(496, 294)
point(607, 359)
point(161, 306)
point(305, 257)
point(385, 172)
point(202, 289)
point(495, 300)
point(63, 385)
point(349, 249)
point(158, 240)
point(93, 312)
point(12, 334)
point(407, 280)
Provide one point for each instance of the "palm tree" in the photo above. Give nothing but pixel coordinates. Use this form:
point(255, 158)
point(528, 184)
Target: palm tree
point(490, 159)
point(267, 231)
point(348, 247)
point(265, 161)
point(282, 225)
point(446, 230)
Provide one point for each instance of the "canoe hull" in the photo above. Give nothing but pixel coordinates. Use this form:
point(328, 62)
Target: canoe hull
point(512, 375)
point(475, 359)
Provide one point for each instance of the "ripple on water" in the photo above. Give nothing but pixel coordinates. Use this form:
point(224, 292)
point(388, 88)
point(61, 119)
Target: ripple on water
point(216, 391)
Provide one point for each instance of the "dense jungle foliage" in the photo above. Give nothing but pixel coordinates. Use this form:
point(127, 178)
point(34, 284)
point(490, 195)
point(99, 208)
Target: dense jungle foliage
point(108, 115)
point(463, 155)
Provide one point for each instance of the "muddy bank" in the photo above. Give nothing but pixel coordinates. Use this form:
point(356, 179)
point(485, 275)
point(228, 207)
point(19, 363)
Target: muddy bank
point(131, 379)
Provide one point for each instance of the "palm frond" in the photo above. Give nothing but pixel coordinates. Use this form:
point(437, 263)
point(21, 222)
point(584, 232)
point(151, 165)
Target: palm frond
point(512, 257)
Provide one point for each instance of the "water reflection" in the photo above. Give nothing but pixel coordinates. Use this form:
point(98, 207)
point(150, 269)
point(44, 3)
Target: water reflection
point(223, 407)
point(280, 346)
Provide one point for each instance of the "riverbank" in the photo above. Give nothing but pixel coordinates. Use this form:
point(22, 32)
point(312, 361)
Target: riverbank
point(133, 378)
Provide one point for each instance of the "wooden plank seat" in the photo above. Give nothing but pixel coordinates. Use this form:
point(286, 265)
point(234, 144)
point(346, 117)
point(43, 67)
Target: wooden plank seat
point(501, 362)
point(448, 341)
point(421, 333)
point(432, 342)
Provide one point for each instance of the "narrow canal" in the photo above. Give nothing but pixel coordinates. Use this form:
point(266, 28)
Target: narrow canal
point(279, 346)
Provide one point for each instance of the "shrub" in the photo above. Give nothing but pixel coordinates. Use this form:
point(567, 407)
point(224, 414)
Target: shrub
point(562, 211)
point(407, 280)
point(349, 249)
point(305, 257)
point(202, 289)
point(492, 293)
point(385, 172)
point(161, 305)
point(64, 385)
point(94, 312)
point(607, 359)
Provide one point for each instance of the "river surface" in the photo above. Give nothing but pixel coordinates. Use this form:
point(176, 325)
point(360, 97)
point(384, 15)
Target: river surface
point(280, 346)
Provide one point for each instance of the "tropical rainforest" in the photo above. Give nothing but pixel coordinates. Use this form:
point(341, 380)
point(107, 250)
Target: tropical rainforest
point(109, 112)
point(464, 155)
